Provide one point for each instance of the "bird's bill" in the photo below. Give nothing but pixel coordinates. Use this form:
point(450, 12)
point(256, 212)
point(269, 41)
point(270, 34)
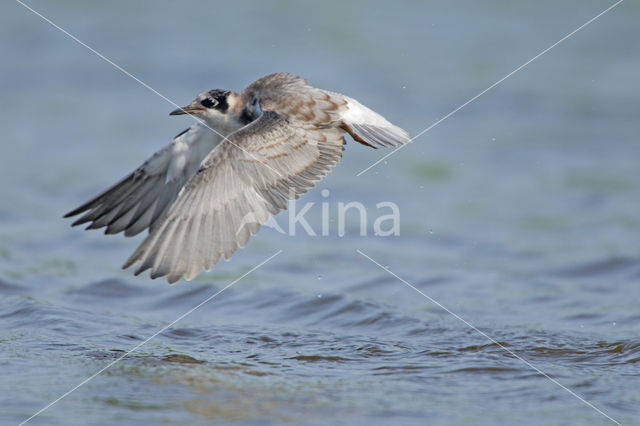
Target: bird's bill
point(190, 109)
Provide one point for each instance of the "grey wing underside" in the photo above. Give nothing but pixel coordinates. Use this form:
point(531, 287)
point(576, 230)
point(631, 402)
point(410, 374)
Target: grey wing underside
point(141, 199)
point(249, 177)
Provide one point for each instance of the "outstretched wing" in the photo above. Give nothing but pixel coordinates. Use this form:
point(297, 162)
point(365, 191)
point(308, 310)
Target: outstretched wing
point(250, 176)
point(139, 200)
point(291, 96)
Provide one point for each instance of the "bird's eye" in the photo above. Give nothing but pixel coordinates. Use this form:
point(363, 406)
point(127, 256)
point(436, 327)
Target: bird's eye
point(208, 103)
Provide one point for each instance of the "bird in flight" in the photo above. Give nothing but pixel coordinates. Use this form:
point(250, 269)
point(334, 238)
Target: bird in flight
point(203, 195)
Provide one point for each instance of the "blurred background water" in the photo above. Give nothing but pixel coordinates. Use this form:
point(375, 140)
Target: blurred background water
point(519, 213)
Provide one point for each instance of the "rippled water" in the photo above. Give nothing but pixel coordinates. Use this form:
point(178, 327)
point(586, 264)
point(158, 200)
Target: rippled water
point(519, 214)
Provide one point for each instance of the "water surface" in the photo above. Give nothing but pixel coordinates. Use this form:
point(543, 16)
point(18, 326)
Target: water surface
point(519, 214)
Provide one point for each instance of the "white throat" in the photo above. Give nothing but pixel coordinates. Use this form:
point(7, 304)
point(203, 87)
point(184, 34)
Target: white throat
point(224, 124)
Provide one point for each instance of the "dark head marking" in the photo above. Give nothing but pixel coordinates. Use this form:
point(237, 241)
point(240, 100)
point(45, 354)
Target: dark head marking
point(208, 103)
point(217, 99)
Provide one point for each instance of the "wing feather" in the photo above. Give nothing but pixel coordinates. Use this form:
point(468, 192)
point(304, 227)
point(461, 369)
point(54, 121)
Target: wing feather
point(136, 202)
point(293, 97)
point(248, 178)
point(369, 127)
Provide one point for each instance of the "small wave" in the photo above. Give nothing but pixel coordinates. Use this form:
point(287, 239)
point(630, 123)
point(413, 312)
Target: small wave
point(186, 296)
point(182, 359)
point(320, 358)
point(8, 288)
point(609, 266)
point(110, 288)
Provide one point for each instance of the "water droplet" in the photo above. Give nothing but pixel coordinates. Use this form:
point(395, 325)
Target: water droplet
point(319, 277)
point(319, 296)
point(431, 231)
point(324, 193)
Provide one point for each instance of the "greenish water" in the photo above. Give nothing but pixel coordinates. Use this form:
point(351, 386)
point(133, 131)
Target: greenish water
point(519, 214)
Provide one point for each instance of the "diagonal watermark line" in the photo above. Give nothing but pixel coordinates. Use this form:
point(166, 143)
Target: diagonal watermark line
point(163, 329)
point(491, 339)
point(492, 86)
point(128, 74)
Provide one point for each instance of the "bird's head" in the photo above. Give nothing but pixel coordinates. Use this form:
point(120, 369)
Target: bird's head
point(214, 107)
